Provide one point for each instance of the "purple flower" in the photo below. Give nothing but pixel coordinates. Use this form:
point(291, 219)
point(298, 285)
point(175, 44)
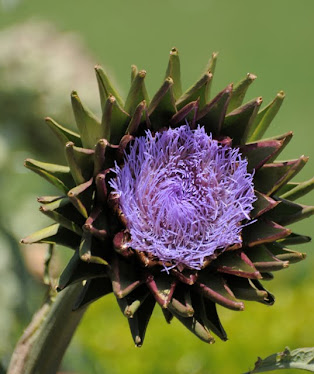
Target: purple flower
point(183, 195)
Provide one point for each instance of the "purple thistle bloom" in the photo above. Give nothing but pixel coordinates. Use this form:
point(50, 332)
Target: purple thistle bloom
point(183, 195)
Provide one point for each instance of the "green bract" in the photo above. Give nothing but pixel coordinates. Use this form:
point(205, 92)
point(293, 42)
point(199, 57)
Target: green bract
point(89, 220)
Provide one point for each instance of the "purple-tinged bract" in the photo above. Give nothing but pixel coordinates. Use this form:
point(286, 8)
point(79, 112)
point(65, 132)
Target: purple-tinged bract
point(183, 195)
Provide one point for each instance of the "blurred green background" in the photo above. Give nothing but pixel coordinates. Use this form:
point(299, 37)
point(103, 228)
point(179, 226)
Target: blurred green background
point(39, 66)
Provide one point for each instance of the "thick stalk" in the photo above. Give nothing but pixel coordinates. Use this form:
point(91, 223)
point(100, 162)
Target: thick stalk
point(45, 340)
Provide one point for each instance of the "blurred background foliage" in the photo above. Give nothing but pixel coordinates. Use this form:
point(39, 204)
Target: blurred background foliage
point(48, 49)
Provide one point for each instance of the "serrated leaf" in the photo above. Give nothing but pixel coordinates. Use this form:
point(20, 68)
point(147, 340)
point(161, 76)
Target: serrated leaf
point(239, 91)
point(301, 358)
point(265, 117)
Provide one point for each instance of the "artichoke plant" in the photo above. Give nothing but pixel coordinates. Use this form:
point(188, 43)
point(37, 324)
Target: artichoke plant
point(174, 200)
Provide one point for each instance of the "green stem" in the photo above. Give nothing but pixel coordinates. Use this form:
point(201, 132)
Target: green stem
point(44, 342)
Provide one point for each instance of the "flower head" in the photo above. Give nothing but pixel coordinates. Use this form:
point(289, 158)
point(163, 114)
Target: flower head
point(183, 195)
point(146, 190)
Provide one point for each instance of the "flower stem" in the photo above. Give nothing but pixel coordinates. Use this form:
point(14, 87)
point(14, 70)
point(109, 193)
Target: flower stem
point(44, 342)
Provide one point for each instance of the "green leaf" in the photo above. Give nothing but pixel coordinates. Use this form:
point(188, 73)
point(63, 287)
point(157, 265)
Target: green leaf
point(77, 270)
point(137, 93)
point(265, 117)
point(54, 234)
point(138, 324)
point(92, 291)
point(105, 87)
point(80, 161)
point(57, 175)
point(264, 260)
point(249, 289)
point(198, 91)
point(162, 106)
point(263, 232)
point(215, 288)
point(262, 205)
point(130, 304)
point(211, 318)
point(301, 358)
point(114, 121)
point(211, 66)
point(134, 71)
point(181, 301)
point(136, 118)
point(293, 239)
point(85, 251)
point(63, 134)
point(162, 287)
point(285, 254)
point(287, 212)
point(284, 138)
point(197, 327)
point(237, 123)
point(298, 190)
point(271, 177)
point(61, 219)
point(236, 263)
point(173, 71)
point(260, 152)
point(212, 115)
point(123, 277)
point(239, 91)
point(86, 121)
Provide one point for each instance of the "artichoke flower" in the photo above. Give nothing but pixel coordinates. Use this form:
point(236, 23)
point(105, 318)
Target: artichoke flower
point(174, 200)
